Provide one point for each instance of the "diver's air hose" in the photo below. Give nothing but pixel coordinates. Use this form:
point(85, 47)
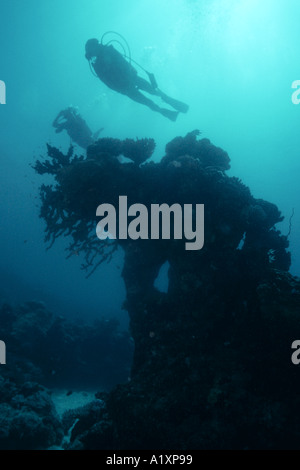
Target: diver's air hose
point(114, 40)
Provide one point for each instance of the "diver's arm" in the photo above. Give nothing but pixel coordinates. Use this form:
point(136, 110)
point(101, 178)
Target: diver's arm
point(55, 122)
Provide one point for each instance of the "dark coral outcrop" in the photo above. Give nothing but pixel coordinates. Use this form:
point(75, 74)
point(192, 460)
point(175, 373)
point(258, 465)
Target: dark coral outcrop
point(212, 364)
point(138, 150)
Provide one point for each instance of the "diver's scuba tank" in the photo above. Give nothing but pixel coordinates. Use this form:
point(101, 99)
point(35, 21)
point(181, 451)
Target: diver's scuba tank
point(125, 46)
point(127, 54)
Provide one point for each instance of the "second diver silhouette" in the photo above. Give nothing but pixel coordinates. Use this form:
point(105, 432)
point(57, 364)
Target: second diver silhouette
point(70, 120)
point(112, 68)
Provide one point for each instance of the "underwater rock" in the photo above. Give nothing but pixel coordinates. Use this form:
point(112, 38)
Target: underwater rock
point(28, 417)
point(90, 423)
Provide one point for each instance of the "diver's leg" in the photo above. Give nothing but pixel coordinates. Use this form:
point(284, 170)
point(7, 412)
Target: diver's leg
point(135, 95)
point(142, 84)
point(96, 134)
point(181, 107)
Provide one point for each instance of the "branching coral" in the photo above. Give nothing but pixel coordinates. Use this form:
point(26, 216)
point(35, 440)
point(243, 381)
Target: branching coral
point(57, 161)
point(192, 171)
point(63, 212)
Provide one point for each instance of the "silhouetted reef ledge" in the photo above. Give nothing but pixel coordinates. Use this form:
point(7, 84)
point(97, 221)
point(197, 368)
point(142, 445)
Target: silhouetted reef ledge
point(212, 363)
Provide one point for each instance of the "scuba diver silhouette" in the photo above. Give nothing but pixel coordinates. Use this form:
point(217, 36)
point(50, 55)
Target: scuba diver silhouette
point(70, 120)
point(112, 68)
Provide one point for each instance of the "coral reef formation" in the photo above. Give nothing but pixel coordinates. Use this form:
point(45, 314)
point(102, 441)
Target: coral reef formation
point(211, 366)
point(28, 417)
point(46, 352)
point(60, 353)
point(138, 150)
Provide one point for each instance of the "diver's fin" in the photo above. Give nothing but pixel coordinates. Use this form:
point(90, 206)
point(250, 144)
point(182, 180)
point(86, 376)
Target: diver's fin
point(96, 134)
point(181, 107)
point(172, 115)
